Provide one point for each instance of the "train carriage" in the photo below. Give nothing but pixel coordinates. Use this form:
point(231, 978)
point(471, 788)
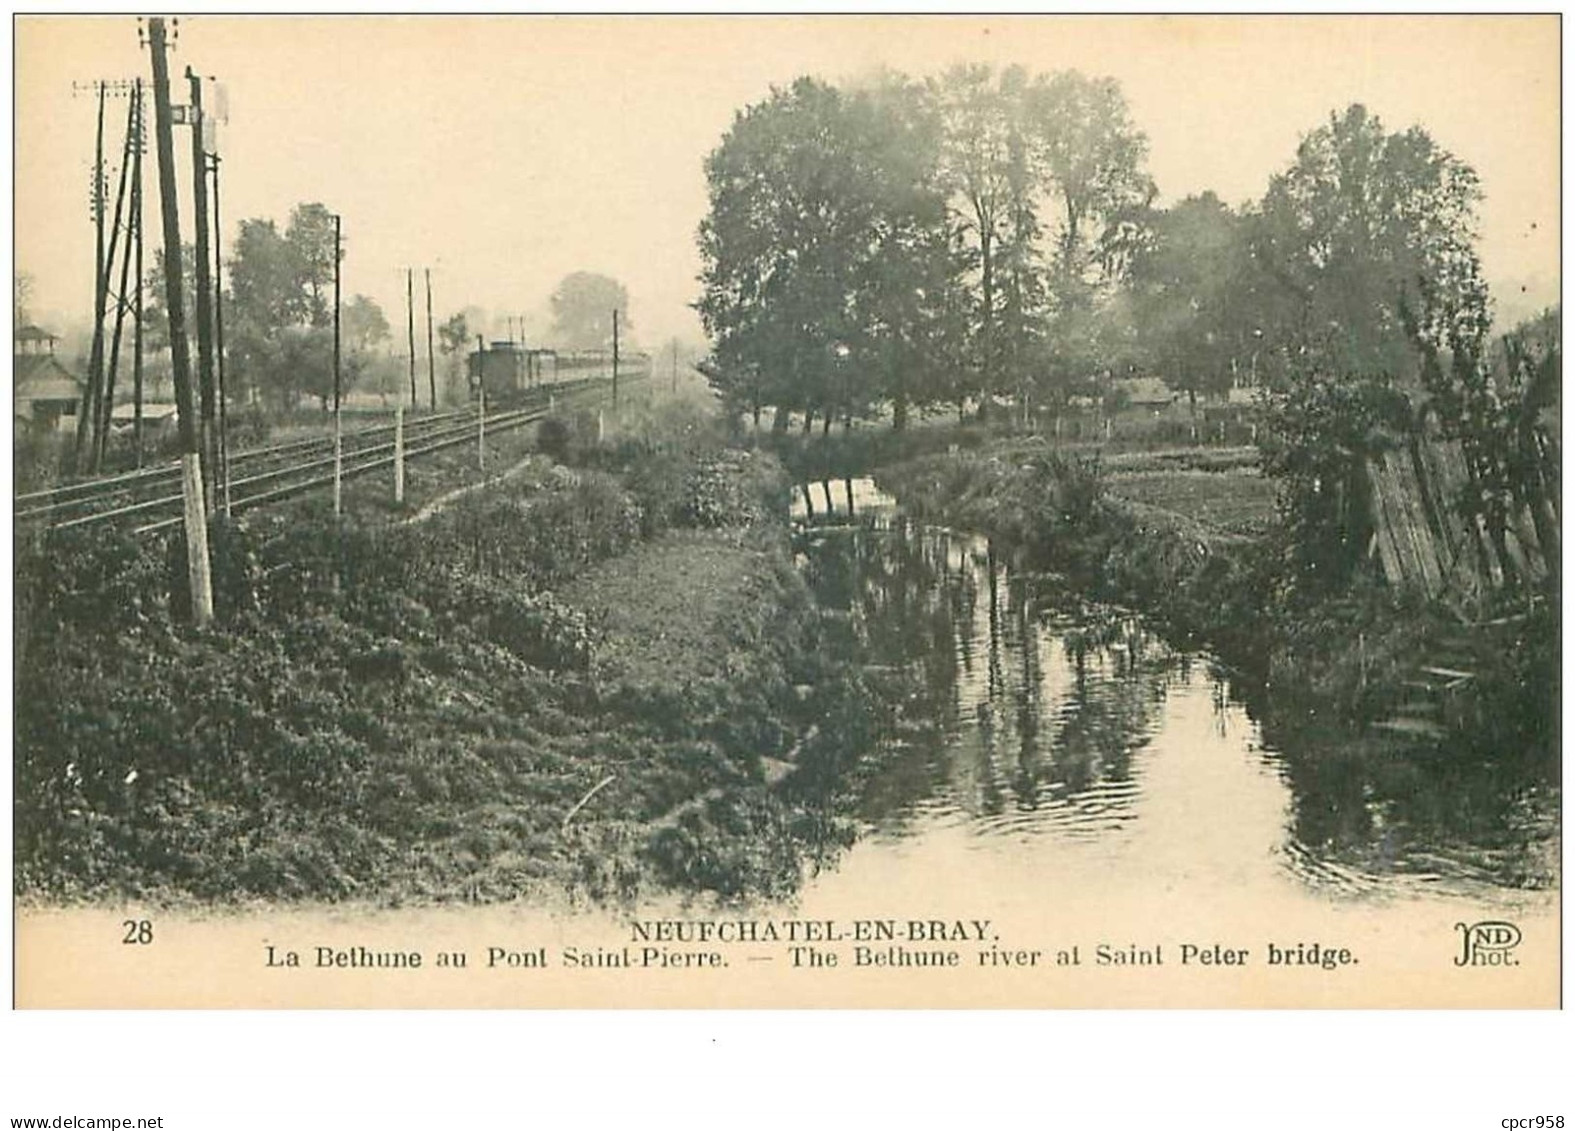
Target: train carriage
point(508, 370)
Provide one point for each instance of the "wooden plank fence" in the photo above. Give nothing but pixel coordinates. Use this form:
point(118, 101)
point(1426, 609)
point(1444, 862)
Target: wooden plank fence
point(1422, 539)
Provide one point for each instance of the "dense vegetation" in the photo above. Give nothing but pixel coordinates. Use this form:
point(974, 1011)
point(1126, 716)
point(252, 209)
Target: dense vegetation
point(411, 713)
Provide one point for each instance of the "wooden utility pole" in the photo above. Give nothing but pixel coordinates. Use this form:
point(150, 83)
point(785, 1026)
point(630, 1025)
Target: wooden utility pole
point(431, 364)
point(410, 316)
point(198, 566)
point(675, 367)
point(218, 337)
point(105, 393)
point(615, 358)
point(136, 324)
point(199, 199)
point(89, 403)
point(339, 456)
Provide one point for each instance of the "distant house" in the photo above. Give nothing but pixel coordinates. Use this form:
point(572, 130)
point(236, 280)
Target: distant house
point(46, 394)
point(159, 420)
point(1146, 392)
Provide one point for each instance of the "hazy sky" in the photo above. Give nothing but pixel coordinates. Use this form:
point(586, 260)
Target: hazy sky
point(505, 152)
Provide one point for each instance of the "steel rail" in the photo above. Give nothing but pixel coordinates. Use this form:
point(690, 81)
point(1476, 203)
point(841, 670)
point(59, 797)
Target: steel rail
point(448, 429)
point(113, 483)
point(463, 435)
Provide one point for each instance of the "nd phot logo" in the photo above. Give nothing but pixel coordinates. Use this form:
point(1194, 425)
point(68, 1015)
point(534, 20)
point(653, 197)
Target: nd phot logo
point(1488, 943)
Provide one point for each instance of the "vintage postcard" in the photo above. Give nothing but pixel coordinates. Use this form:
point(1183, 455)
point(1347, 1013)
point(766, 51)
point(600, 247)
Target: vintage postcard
point(786, 511)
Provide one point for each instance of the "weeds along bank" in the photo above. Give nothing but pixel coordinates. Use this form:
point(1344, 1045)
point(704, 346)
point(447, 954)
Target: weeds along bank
point(412, 712)
point(1342, 663)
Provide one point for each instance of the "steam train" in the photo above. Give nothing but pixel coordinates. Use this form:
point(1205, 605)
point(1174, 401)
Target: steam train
point(509, 371)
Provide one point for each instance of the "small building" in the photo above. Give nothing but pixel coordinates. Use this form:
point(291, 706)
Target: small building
point(160, 421)
point(45, 393)
point(1146, 392)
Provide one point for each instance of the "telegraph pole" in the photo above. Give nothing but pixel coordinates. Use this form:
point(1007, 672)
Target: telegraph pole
point(338, 432)
point(136, 325)
point(199, 177)
point(615, 358)
point(106, 404)
point(410, 321)
point(218, 337)
point(431, 364)
point(198, 566)
point(89, 403)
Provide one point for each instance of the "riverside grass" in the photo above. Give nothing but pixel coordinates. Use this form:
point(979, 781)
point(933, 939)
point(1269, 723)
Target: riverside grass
point(397, 715)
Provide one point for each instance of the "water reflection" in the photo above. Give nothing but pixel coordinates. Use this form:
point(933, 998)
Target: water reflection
point(1034, 721)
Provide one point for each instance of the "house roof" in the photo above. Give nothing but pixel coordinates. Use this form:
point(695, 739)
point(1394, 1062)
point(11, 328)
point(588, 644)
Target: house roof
point(31, 333)
point(1147, 390)
point(152, 411)
point(41, 377)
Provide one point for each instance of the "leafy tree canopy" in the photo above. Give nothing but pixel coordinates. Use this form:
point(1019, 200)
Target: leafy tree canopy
point(582, 312)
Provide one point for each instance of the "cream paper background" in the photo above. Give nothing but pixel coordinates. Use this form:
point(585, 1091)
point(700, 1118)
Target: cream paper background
point(240, 1069)
point(1508, 127)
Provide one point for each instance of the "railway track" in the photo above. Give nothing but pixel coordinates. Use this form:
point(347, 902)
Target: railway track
point(149, 501)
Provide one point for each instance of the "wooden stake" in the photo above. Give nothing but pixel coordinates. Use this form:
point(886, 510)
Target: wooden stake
point(399, 454)
point(431, 364)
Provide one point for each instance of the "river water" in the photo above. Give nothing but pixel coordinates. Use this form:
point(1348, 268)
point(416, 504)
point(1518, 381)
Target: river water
point(1034, 741)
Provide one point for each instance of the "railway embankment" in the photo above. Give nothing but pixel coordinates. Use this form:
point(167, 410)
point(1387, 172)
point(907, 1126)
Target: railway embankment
point(585, 681)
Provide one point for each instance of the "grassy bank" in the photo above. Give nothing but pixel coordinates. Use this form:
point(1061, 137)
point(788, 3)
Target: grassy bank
point(487, 705)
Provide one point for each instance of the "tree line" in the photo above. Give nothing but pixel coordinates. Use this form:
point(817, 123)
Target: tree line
point(278, 317)
point(990, 237)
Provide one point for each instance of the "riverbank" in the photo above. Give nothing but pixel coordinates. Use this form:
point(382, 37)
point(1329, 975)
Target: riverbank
point(486, 706)
point(1190, 539)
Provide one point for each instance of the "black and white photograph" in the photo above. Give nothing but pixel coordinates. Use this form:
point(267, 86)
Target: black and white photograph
point(785, 511)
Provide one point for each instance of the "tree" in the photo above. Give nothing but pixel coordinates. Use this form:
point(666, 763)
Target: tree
point(776, 245)
point(974, 142)
point(156, 321)
point(1029, 160)
point(582, 312)
point(820, 251)
point(1366, 232)
point(454, 341)
point(280, 286)
point(1092, 156)
point(363, 328)
point(1187, 299)
point(1369, 294)
point(21, 296)
point(363, 325)
point(990, 170)
point(310, 237)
